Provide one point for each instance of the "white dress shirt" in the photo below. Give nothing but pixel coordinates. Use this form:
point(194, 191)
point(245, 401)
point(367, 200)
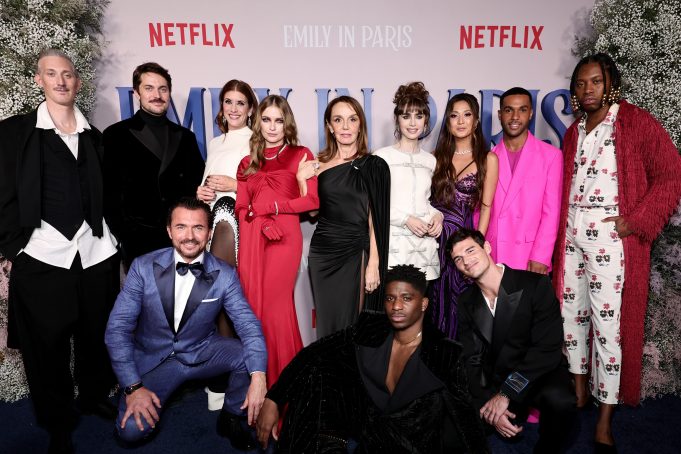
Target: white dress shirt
point(183, 288)
point(46, 243)
point(492, 305)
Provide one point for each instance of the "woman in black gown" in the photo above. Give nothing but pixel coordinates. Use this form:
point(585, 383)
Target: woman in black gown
point(349, 248)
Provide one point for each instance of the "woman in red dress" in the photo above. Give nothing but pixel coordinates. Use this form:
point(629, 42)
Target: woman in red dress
point(268, 205)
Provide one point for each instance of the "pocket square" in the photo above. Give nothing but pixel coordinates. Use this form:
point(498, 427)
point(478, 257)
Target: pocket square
point(209, 300)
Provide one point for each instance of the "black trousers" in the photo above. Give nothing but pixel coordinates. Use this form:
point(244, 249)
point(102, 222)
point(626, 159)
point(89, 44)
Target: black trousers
point(554, 396)
point(50, 305)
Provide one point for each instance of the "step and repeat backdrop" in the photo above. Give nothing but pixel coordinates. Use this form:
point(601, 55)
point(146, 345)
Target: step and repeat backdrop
point(312, 51)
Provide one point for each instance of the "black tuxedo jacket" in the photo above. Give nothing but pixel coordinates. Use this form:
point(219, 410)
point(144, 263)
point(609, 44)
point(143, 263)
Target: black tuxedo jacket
point(516, 347)
point(20, 180)
point(142, 182)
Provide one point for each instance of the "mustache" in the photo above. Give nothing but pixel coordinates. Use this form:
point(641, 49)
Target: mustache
point(189, 242)
point(157, 100)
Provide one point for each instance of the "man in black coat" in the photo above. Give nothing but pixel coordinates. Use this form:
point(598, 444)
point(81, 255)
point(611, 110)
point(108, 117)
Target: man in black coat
point(150, 163)
point(512, 335)
point(389, 382)
point(64, 263)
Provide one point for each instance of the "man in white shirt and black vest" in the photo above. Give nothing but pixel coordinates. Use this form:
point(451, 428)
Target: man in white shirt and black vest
point(64, 262)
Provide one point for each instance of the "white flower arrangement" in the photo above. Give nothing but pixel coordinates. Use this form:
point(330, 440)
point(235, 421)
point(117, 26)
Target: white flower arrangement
point(644, 38)
point(27, 27)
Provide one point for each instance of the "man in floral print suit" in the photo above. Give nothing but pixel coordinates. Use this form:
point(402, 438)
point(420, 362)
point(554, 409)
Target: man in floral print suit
point(620, 185)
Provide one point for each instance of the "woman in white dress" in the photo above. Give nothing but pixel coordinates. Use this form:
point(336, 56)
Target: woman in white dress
point(225, 152)
point(414, 223)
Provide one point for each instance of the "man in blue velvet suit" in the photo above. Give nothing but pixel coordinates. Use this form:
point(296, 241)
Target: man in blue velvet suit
point(162, 331)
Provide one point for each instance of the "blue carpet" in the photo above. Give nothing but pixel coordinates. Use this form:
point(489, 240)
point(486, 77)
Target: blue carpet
point(188, 427)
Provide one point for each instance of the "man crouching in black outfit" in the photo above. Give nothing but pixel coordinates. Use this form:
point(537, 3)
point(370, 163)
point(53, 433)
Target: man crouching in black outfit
point(394, 385)
point(512, 334)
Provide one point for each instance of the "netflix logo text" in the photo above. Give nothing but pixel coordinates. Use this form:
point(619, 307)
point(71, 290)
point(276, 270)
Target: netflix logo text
point(190, 34)
point(508, 36)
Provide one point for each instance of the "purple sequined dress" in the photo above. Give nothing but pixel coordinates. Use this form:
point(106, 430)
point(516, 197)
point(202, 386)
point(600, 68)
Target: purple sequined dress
point(451, 282)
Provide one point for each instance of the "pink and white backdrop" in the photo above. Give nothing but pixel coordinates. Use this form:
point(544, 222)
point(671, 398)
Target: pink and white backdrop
point(311, 51)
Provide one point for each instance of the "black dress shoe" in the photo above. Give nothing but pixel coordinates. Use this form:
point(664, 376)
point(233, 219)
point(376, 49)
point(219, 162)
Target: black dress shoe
point(602, 448)
point(60, 443)
point(230, 426)
point(104, 409)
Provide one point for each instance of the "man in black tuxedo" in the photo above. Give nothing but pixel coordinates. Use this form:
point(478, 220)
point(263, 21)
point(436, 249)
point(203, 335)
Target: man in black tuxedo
point(64, 261)
point(512, 334)
point(149, 164)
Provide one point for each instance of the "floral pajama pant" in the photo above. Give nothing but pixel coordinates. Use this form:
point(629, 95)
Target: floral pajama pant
point(592, 298)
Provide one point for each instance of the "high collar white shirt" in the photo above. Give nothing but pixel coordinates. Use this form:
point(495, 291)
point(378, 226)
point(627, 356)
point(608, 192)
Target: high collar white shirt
point(183, 288)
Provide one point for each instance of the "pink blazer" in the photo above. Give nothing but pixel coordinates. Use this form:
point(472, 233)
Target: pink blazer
point(526, 207)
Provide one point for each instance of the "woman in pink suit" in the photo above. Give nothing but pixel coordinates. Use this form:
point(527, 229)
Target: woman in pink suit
point(268, 206)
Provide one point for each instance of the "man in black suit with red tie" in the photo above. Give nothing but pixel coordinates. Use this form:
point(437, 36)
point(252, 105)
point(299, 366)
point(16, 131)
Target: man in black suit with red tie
point(149, 164)
point(512, 335)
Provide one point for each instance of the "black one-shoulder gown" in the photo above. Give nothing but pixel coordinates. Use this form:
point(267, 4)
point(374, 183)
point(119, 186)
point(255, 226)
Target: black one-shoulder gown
point(339, 248)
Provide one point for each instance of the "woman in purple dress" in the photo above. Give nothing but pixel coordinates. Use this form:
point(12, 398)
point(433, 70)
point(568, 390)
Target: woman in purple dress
point(464, 180)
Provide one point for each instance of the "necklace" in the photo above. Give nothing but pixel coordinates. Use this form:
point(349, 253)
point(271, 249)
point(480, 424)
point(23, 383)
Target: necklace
point(407, 343)
point(462, 152)
point(277, 154)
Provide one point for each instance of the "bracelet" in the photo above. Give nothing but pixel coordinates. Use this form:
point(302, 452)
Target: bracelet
point(276, 208)
point(503, 394)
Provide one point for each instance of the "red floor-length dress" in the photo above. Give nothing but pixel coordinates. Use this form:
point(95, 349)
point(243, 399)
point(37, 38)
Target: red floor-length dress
point(268, 269)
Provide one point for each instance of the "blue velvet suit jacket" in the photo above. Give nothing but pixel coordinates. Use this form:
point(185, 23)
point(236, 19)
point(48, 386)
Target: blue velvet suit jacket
point(140, 333)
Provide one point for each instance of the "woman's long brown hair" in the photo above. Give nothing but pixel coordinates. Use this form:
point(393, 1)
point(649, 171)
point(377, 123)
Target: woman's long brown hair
point(243, 88)
point(257, 143)
point(444, 176)
point(331, 149)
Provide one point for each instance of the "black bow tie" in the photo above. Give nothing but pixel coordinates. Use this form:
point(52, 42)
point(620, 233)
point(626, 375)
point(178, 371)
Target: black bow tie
point(195, 268)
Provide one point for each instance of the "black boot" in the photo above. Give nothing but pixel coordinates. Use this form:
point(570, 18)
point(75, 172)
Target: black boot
point(232, 427)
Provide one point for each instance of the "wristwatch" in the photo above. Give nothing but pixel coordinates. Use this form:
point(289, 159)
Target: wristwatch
point(132, 388)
